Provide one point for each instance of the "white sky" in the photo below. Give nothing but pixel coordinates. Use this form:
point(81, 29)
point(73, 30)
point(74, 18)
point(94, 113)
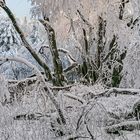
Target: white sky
point(21, 8)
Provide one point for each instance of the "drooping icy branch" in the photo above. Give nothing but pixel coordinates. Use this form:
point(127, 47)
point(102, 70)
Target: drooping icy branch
point(21, 60)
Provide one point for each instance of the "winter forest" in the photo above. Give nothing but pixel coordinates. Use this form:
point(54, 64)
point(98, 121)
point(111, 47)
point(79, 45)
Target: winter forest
point(71, 71)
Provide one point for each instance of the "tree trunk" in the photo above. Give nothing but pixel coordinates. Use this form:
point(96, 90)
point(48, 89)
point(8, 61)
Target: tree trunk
point(58, 69)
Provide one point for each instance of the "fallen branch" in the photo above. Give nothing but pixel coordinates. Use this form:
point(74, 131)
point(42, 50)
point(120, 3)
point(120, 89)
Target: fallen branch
point(32, 80)
point(123, 126)
point(62, 88)
point(117, 91)
point(71, 137)
point(123, 91)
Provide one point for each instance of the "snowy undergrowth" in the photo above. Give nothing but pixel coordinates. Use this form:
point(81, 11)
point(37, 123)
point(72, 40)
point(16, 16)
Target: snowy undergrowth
point(35, 118)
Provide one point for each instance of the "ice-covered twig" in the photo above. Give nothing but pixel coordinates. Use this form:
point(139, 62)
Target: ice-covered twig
point(72, 66)
point(84, 20)
point(62, 88)
point(75, 98)
point(68, 53)
point(113, 50)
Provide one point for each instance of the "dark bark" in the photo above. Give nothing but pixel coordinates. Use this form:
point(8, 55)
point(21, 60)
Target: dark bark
point(122, 7)
point(58, 69)
point(86, 42)
point(100, 43)
point(136, 110)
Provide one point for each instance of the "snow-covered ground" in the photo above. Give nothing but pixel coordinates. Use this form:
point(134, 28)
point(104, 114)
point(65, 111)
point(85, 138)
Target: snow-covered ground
point(87, 116)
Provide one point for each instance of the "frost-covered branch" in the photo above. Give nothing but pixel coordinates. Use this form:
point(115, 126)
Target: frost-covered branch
point(73, 65)
point(117, 91)
point(126, 126)
point(122, 8)
point(75, 98)
point(62, 88)
point(71, 137)
point(123, 91)
point(71, 59)
point(84, 20)
point(113, 50)
point(113, 91)
point(66, 52)
point(21, 60)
